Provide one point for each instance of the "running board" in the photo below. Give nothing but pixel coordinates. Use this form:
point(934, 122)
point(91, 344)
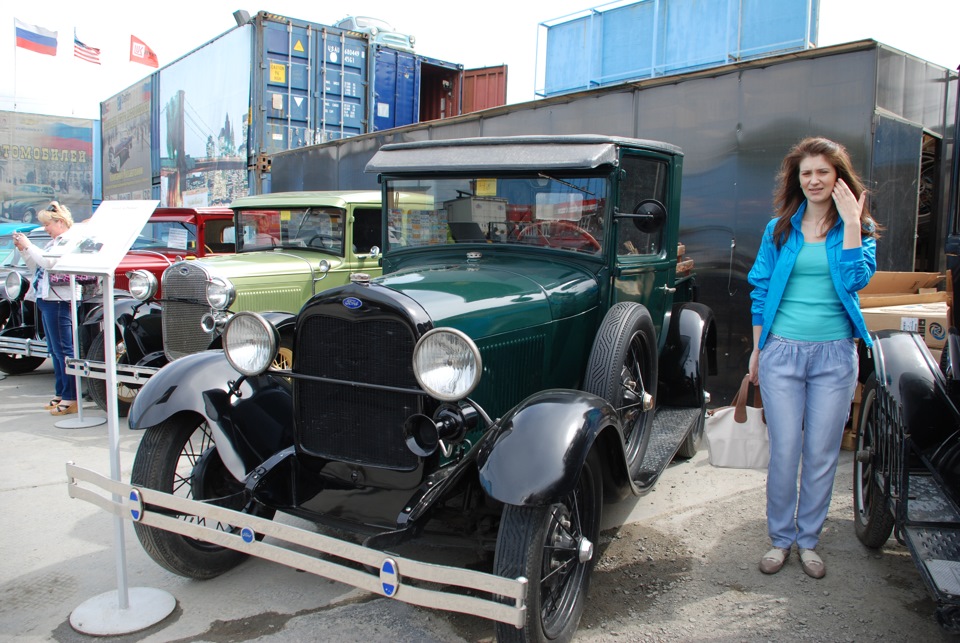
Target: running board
point(670, 427)
point(932, 534)
point(444, 587)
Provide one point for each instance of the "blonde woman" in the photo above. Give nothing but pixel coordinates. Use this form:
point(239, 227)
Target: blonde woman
point(53, 303)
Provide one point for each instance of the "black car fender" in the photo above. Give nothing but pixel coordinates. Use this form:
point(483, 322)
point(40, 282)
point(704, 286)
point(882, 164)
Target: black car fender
point(137, 324)
point(691, 339)
point(911, 378)
point(246, 429)
point(536, 451)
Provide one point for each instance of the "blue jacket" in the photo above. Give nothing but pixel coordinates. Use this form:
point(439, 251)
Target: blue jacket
point(850, 270)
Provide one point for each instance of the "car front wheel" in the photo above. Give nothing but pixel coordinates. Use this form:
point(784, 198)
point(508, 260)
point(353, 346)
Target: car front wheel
point(872, 520)
point(554, 547)
point(179, 457)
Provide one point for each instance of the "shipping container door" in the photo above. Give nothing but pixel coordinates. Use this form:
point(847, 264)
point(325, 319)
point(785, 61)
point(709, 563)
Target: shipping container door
point(342, 73)
point(286, 100)
point(484, 88)
point(396, 95)
point(894, 185)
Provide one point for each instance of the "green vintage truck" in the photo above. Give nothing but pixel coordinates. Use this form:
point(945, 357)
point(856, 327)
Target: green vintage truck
point(530, 351)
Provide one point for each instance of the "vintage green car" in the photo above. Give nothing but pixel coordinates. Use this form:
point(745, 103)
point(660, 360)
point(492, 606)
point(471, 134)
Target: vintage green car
point(530, 350)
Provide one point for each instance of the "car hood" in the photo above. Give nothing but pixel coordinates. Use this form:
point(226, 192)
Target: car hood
point(267, 264)
point(492, 296)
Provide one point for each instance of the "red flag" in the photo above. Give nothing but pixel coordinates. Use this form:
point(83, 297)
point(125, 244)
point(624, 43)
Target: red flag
point(141, 53)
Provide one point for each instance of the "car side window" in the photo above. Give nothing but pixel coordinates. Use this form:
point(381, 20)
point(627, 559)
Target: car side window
point(643, 179)
point(367, 230)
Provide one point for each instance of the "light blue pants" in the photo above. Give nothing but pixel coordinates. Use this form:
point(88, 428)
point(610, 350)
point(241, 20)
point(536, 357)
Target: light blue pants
point(807, 388)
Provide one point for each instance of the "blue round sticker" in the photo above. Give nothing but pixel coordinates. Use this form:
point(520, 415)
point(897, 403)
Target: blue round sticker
point(247, 535)
point(136, 505)
point(352, 303)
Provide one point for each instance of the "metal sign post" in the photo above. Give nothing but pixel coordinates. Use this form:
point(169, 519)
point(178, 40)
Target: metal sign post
point(78, 422)
point(98, 249)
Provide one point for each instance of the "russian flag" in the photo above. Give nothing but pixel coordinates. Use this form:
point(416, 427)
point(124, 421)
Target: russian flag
point(34, 38)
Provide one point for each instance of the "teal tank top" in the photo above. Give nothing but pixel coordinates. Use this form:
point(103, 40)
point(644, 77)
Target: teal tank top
point(810, 310)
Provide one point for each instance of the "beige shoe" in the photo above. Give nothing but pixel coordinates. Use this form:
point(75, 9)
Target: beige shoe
point(773, 560)
point(64, 408)
point(812, 564)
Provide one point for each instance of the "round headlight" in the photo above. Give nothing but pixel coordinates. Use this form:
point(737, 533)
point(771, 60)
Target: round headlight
point(143, 284)
point(324, 266)
point(220, 293)
point(447, 364)
point(250, 343)
point(14, 286)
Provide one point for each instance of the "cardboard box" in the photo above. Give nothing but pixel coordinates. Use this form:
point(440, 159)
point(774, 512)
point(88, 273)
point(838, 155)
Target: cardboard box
point(929, 320)
point(900, 288)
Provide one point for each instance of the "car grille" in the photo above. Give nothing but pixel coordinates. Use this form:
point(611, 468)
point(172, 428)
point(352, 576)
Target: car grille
point(184, 303)
point(348, 423)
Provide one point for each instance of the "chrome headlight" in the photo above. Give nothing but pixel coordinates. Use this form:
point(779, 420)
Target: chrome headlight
point(143, 284)
point(447, 364)
point(15, 286)
point(250, 343)
point(220, 293)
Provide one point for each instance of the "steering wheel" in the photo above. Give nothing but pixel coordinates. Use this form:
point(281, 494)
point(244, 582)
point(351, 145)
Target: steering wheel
point(563, 234)
point(326, 241)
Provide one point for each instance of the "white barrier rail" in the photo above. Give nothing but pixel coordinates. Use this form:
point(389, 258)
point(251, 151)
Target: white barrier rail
point(506, 596)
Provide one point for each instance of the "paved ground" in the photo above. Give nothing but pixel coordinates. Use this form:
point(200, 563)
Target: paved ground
point(683, 566)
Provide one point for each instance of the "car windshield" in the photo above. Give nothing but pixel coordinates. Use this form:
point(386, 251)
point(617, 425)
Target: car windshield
point(8, 253)
point(320, 228)
point(560, 211)
point(178, 236)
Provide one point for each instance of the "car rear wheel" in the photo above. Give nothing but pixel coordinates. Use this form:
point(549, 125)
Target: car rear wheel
point(19, 364)
point(554, 547)
point(622, 369)
point(872, 520)
point(179, 457)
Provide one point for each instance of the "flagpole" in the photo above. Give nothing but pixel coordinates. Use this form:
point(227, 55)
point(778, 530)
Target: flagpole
point(14, 64)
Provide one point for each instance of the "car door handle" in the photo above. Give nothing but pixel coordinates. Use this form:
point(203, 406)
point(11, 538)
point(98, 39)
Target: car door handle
point(667, 289)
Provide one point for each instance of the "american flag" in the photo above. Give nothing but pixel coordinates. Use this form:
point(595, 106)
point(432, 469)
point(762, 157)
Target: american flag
point(83, 52)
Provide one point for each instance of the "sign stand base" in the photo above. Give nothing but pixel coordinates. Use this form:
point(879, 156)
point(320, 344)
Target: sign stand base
point(80, 423)
point(102, 615)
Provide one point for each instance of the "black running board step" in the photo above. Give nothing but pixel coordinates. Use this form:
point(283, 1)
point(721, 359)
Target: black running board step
point(928, 502)
point(670, 426)
point(936, 551)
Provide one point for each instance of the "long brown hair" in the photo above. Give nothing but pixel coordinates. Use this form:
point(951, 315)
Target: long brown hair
point(788, 194)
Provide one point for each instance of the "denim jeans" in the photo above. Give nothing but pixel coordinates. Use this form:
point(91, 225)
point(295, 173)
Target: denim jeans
point(807, 388)
point(58, 326)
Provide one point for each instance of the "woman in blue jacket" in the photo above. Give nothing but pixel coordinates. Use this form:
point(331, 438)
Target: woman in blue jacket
point(817, 252)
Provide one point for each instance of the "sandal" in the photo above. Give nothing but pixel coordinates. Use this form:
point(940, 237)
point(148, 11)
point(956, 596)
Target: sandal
point(773, 560)
point(812, 564)
point(53, 402)
point(64, 408)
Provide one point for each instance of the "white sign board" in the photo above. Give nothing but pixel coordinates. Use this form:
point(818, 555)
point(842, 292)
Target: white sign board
point(98, 244)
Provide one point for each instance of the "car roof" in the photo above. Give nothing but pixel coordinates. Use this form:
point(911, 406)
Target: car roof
point(10, 228)
point(512, 153)
point(336, 199)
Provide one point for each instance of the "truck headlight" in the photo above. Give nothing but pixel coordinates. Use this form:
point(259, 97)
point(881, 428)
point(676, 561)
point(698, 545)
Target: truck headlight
point(142, 284)
point(15, 286)
point(250, 343)
point(220, 293)
point(447, 364)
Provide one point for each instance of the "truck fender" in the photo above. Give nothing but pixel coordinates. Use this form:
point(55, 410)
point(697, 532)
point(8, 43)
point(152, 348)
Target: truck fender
point(124, 310)
point(910, 376)
point(245, 435)
point(137, 324)
point(538, 448)
point(689, 353)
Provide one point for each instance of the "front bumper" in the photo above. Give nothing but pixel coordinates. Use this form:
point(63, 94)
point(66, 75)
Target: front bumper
point(442, 587)
point(25, 347)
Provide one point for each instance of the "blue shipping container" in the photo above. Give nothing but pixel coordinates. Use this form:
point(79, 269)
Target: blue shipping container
point(619, 41)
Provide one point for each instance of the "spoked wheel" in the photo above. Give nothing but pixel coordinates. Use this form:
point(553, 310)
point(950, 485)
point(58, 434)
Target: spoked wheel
point(873, 519)
point(554, 547)
point(622, 369)
point(179, 457)
point(98, 387)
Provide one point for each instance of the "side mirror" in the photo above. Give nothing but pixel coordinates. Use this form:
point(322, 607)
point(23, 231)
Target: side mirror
point(649, 216)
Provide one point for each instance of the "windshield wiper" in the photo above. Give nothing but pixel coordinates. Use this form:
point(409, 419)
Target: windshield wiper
point(562, 182)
